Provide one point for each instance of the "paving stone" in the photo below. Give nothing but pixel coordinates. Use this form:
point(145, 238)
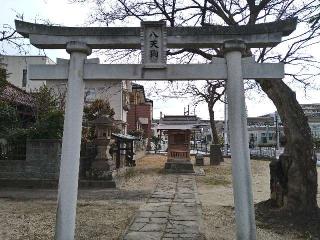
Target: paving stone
point(144, 214)
point(142, 220)
point(143, 235)
point(170, 235)
point(160, 214)
point(159, 207)
point(158, 220)
point(136, 226)
point(157, 227)
point(171, 213)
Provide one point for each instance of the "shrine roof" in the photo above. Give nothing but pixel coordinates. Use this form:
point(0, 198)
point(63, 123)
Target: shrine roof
point(104, 121)
point(124, 136)
point(176, 127)
point(179, 119)
point(17, 96)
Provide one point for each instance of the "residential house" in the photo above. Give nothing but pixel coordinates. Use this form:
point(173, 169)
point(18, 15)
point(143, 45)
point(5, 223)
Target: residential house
point(17, 69)
point(140, 112)
point(312, 111)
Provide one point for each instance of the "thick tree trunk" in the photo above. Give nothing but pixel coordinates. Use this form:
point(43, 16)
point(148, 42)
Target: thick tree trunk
point(300, 169)
point(217, 155)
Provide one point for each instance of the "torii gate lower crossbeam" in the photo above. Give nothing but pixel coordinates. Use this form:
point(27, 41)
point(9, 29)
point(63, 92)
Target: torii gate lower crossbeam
point(233, 68)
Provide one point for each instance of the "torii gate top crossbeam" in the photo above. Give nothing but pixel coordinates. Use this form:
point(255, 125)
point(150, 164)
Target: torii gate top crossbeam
point(56, 37)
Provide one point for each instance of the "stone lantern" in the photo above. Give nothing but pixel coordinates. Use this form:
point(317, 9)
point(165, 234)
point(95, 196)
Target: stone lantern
point(102, 164)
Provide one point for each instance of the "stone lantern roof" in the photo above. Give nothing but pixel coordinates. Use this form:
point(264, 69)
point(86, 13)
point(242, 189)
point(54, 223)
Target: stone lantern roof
point(103, 120)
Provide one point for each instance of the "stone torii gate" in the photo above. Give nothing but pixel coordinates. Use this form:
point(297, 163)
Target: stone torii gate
point(153, 38)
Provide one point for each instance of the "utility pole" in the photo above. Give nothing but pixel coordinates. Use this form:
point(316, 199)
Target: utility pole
point(186, 112)
point(225, 130)
point(277, 130)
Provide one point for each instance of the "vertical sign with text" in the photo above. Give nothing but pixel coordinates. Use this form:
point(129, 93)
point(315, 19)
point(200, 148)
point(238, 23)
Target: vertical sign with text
point(154, 44)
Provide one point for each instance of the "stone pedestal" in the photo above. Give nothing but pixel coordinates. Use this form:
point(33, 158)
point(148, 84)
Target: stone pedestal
point(199, 160)
point(179, 166)
point(100, 166)
point(215, 154)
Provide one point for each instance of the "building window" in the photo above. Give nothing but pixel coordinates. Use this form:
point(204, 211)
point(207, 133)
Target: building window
point(90, 95)
point(131, 99)
point(24, 77)
point(263, 138)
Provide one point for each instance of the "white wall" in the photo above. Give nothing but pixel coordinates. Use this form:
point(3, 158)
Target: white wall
point(315, 129)
point(110, 90)
point(15, 66)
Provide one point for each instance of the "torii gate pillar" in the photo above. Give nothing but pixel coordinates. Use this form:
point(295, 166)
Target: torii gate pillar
point(241, 172)
point(71, 143)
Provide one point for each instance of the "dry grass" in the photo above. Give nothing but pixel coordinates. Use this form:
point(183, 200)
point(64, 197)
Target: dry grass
point(214, 180)
point(36, 219)
point(216, 175)
point(145, 175)
point(218, 207)
point(101, 214)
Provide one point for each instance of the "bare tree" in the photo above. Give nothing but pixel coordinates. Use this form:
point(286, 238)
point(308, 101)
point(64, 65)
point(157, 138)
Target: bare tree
point(300, 171)
point(10, 39)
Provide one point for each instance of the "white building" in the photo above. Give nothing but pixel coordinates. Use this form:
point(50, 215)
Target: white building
point(17, 69)
point(116, 92)
point(312, 111)
point(263, 130)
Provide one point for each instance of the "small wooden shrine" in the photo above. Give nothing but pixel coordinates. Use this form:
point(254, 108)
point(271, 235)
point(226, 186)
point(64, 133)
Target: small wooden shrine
point(178, 129)
point(179, 144)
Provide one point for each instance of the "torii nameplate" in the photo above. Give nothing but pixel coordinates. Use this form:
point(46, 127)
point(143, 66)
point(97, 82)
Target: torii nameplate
point(154, 44)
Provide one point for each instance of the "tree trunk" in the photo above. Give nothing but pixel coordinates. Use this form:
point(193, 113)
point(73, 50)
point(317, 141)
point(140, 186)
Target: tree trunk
point(300, 169)
point(216, 157)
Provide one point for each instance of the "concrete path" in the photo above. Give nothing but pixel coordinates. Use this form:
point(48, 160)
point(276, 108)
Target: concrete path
point(172, 212)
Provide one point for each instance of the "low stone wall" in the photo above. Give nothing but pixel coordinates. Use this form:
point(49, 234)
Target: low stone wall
point(42, 161)
point(13, 169)
point(43, 158)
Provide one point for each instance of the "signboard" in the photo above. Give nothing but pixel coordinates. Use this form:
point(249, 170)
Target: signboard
point(154, 44)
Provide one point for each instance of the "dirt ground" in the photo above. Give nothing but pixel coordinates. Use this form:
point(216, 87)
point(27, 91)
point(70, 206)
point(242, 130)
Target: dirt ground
point(105, 213)
point(101, 213)
point(216, 195)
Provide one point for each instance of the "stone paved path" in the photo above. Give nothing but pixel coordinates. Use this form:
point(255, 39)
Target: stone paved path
point(172, 212)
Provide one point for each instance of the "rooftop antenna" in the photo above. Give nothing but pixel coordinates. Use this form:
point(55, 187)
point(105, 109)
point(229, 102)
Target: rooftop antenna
point(186, 112)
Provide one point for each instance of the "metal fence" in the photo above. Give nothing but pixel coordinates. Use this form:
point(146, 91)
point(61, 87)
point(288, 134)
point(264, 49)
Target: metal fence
point(263, 152)
point(200, 148)
point(13, 151)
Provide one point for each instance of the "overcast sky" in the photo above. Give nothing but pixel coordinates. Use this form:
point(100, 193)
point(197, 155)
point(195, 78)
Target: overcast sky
point(63, 13)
